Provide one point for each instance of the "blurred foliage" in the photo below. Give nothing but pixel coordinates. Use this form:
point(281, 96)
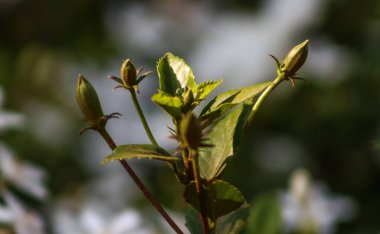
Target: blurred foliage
point(37, 40)
point(335, 124)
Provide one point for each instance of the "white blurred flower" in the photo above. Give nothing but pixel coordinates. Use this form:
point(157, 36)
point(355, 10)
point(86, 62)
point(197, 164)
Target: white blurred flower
point(27, 177)
point(21, 219)
point(310, 208)
point(7, 118)
point(95, 218)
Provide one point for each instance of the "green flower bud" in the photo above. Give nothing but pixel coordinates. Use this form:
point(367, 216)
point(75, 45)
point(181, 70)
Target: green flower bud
point(128, 73)
point(190, 131)
point(295, 58)
point(88, 102)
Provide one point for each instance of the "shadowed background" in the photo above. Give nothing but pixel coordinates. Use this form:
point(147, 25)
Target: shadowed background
point(329, 125)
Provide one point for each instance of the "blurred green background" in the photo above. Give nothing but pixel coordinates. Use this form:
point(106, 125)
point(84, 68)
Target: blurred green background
point(329, 124)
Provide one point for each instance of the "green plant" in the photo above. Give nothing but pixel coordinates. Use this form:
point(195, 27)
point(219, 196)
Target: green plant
point(205, 141)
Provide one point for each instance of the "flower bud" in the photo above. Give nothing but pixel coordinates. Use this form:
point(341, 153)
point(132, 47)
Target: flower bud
point(128, 73)
point(295, 58)
point(88, 102)
point(190, 131)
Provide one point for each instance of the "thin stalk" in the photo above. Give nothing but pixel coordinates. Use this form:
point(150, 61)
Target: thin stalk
point(199, 189)
point(103, 132)
point(280, 77)
point(142, 117)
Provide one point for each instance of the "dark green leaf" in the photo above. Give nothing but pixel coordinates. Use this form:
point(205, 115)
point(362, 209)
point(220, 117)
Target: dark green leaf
point(205, 88)
point(173, 74)
point(265, 215)
point(234, 222)
point(226, 137)
point(140, 151)
point(235, 96)
point(170, 104)
point(193, 221)
point(223, 198)
point(220, 198)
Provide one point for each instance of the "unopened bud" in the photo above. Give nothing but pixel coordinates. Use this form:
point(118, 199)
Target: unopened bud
point(190, 131)
point(295, 58)
point(128, 73)
point(88, 102)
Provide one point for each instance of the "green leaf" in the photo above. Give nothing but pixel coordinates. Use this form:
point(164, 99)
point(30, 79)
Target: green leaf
point(265, 215)
point(205, 88)
point(140, 151)
point(212, 116)
point(221, 198)
point(193, 222)
point(170, 104)
point(234, 222)
point(226, 136)
point(173, 74)
point(234, 97)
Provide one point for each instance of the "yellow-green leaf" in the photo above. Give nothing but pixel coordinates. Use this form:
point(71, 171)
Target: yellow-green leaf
point(170, 104)
point(231, 98)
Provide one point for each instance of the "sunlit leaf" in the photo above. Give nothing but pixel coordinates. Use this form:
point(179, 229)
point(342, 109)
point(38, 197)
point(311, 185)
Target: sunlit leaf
point(170, 104)
point(173, 74)
point(234, 97)
point(226, 136)
point(140, 151)
point(205, 88)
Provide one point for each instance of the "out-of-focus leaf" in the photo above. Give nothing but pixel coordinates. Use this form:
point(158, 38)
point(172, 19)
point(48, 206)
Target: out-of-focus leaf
point(140, 151)
point(226, 136)
point(234, 222)
point(193, 221)
point(173, 74)
point(170, 104)
point(265, 215)
point(221, 198)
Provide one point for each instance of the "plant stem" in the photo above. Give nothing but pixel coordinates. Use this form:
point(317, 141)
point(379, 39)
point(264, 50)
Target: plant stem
point(142, 117)
point(103, 132)
point(280, 77)
point(200, 191)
